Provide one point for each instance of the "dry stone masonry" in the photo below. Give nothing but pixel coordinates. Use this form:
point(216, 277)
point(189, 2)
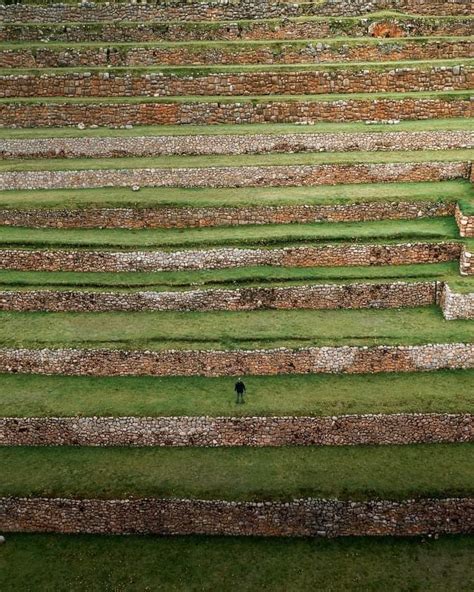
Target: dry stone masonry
point(456, 305)
point(286, 52)
point(324, 296)
point(286, 28)
point(200, 217)
point(326, 360)
point(243, 176)
point(296, 518)
point(117, 83)
point(342, 430)
point(224, 258)
point(102, 147)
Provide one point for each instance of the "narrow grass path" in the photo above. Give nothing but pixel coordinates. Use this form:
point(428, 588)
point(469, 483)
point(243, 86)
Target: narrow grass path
point(205, 564)
point(177, 161)
point(224, 236)
point(427, 125)
point(204, 70)
point(442, 191)
point(442, 95)
point(444, 391)
point(231, 330)
point(359, 472)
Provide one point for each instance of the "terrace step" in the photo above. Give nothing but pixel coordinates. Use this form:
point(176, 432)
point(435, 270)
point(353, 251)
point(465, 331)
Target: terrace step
point(59, 112)
point(301, 140)
point(227, 53)
point(393, 25)
point(343, 430)
point(354, 78)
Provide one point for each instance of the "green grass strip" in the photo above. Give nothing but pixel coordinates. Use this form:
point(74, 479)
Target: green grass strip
point(24, 395)
point(438, 191)
point(426, 125)
point(135, 563)
point(178, 161)
point(452, 95)
point(232, 278)
point(359, 472)
point(223, 236)
point(203, 70)
point(231, 330)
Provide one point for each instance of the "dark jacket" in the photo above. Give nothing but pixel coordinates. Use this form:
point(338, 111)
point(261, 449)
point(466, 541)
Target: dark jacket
point(239, 387)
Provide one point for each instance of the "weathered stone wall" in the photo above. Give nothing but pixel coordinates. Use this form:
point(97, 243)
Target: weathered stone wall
point(277, 53)
point(242, 176)
point(324, 296)
point(187, 217)
point(466, 262)
point(277, 29)
point(465, 223)
point(456, 305)
point(116, 83)
point(305, 517)
point(344, 430)
point(62, 113)
point(325, 360)
point(213, 10)
point(321, 256)
point(306, 141)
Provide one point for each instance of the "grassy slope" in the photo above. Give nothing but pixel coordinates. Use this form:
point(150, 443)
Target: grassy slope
point(240, 473)
point(225, 236)
point(229, 330)
point(36, 396)
point(308, 158)
point(202, 564)
point(456, 190)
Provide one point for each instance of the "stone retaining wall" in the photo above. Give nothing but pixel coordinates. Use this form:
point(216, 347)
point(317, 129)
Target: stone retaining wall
point(298, 518)
point(325, 360)
point(214, 10)
point(200, 217)
point(101, 147)
point(324, 296)
point(321, 256)
point(282, 53)
point(345, 430)
point(466, 262)
point(62, 113)
point(465, 222)
point(192, 82)
point(456, 305)
point(240, 176)
point(277, 29)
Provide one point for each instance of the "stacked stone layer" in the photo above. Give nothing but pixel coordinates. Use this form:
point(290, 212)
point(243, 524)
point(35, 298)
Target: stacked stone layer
point(343, 430)
point(305, 517)
point(326, 360)
point(61, 113)
point(243, 176)
point(321, 256)
point(102, 147)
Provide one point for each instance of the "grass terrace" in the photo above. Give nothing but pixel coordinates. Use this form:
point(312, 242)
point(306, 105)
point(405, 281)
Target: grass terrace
point(437, 191)
point(204, 564)
point(452, 95)
point(240, 277)
point(268, 235)
point(200, 70)
point(427, 125)
point(231, 330)
point(443, 391)
point(283, 473)
point(178, 161)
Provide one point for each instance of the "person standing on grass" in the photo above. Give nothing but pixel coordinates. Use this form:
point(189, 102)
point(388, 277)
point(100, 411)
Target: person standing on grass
point(240, 390)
